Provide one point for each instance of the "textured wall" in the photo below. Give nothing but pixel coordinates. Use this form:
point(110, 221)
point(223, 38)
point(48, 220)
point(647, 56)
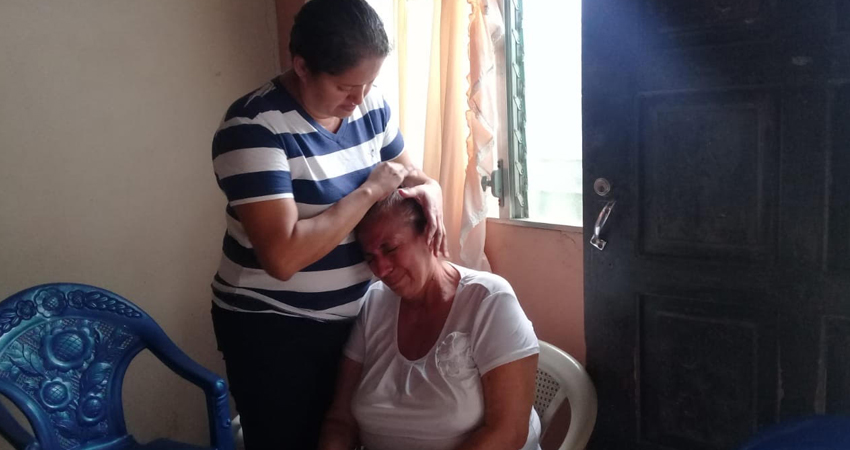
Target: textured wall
point(107, 110)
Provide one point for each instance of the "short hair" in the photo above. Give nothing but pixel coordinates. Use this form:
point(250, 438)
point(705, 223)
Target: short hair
point(394, 205)
point(335, 35)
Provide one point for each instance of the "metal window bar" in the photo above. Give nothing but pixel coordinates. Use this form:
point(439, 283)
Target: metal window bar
point(517, 173)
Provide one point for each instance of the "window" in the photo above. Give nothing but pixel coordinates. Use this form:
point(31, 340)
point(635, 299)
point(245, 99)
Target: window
point(542, 175)
point(543, 51)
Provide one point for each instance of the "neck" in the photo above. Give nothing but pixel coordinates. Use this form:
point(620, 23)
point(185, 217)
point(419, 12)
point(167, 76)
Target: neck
point(440, 288)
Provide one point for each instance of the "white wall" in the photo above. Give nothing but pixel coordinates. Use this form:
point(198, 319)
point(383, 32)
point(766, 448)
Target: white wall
point(107, 110)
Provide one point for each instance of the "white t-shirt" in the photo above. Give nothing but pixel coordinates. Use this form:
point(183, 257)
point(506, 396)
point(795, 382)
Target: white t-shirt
point(436, 401)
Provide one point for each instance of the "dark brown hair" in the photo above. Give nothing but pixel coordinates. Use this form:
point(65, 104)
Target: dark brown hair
point(335, 35)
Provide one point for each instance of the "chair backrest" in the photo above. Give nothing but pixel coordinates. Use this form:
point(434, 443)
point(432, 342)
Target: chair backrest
point(64, 350)
point(560, 377)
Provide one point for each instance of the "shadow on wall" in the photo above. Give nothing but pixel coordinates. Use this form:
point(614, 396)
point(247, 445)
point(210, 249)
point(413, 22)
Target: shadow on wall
point(107, 119)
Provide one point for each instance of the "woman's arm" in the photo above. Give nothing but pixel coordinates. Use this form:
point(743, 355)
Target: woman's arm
point(508, 396)
point(429, 194)
point(339, 431)
point(284, 244)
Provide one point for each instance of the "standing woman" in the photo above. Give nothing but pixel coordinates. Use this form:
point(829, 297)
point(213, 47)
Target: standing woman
point(301, 160)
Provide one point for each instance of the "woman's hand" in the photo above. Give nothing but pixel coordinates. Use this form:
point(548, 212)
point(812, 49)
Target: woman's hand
point(430, 196)
point(385, 178)
point(428, 193)
point(339, 431)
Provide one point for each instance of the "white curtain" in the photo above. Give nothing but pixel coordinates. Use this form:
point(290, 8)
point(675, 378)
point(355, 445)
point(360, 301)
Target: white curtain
point(448, 95)
point(486, 119)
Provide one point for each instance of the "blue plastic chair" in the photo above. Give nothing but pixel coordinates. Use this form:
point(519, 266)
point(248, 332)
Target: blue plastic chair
point(64, 349)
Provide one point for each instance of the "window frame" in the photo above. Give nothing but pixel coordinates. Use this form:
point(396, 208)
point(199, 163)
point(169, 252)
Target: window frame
point(514, 209)
point(515, 172)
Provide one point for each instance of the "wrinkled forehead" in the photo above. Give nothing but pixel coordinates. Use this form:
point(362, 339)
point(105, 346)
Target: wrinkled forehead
point(383, 229)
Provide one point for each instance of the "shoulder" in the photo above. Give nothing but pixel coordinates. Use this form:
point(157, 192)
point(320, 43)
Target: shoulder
point(268, 97)
point(377, 299)
point(378, 289)
point(487, 296)
point(485, 282)
point(251, 104)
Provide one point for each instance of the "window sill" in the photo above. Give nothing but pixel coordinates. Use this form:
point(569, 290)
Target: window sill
point(532, 224)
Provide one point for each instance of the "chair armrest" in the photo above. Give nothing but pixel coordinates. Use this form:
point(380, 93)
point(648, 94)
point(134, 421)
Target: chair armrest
point(214, 387)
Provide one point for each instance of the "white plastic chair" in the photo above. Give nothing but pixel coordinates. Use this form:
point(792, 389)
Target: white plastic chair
point(561, 377)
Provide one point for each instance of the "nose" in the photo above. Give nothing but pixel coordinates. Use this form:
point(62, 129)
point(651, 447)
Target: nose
point(357, 94)
point(381, 267)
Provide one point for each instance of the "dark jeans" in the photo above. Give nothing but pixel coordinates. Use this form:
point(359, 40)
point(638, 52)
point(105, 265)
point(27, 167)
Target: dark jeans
point(282, 373)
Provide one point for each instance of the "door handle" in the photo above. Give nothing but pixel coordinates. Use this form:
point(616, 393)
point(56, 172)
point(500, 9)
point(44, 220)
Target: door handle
point(596, 241)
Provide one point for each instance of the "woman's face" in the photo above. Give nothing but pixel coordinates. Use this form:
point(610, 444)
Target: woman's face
point(325, 95)
point(397, 255)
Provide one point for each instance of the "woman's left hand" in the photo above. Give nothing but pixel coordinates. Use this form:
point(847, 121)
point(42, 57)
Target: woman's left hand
point(430, 196)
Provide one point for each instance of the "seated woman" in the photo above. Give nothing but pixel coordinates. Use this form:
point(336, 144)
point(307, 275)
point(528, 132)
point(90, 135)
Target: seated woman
point(441, 356)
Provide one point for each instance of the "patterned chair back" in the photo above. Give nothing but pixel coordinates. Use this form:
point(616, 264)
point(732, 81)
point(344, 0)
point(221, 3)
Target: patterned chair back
point(64, 350)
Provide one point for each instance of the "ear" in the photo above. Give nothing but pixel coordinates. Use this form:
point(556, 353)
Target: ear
point(300, 67)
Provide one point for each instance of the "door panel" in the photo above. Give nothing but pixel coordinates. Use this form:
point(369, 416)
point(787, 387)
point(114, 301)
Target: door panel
point(835, 371)
point(838, 240)
point(698, 197)
point(842, 15)
point(803, 138)
point(721, 303)
point(702, 369)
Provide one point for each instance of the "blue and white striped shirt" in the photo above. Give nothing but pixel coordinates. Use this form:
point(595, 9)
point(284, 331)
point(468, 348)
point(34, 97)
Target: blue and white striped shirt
point(267, 147)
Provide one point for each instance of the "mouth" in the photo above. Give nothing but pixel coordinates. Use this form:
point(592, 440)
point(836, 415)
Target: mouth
point(391, 282)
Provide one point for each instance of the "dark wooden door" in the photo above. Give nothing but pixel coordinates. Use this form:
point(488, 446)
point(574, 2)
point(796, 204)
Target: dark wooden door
point(721, 302)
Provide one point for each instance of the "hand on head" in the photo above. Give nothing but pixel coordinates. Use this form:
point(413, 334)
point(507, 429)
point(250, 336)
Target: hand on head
point(385, 179)
point(430, 196)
